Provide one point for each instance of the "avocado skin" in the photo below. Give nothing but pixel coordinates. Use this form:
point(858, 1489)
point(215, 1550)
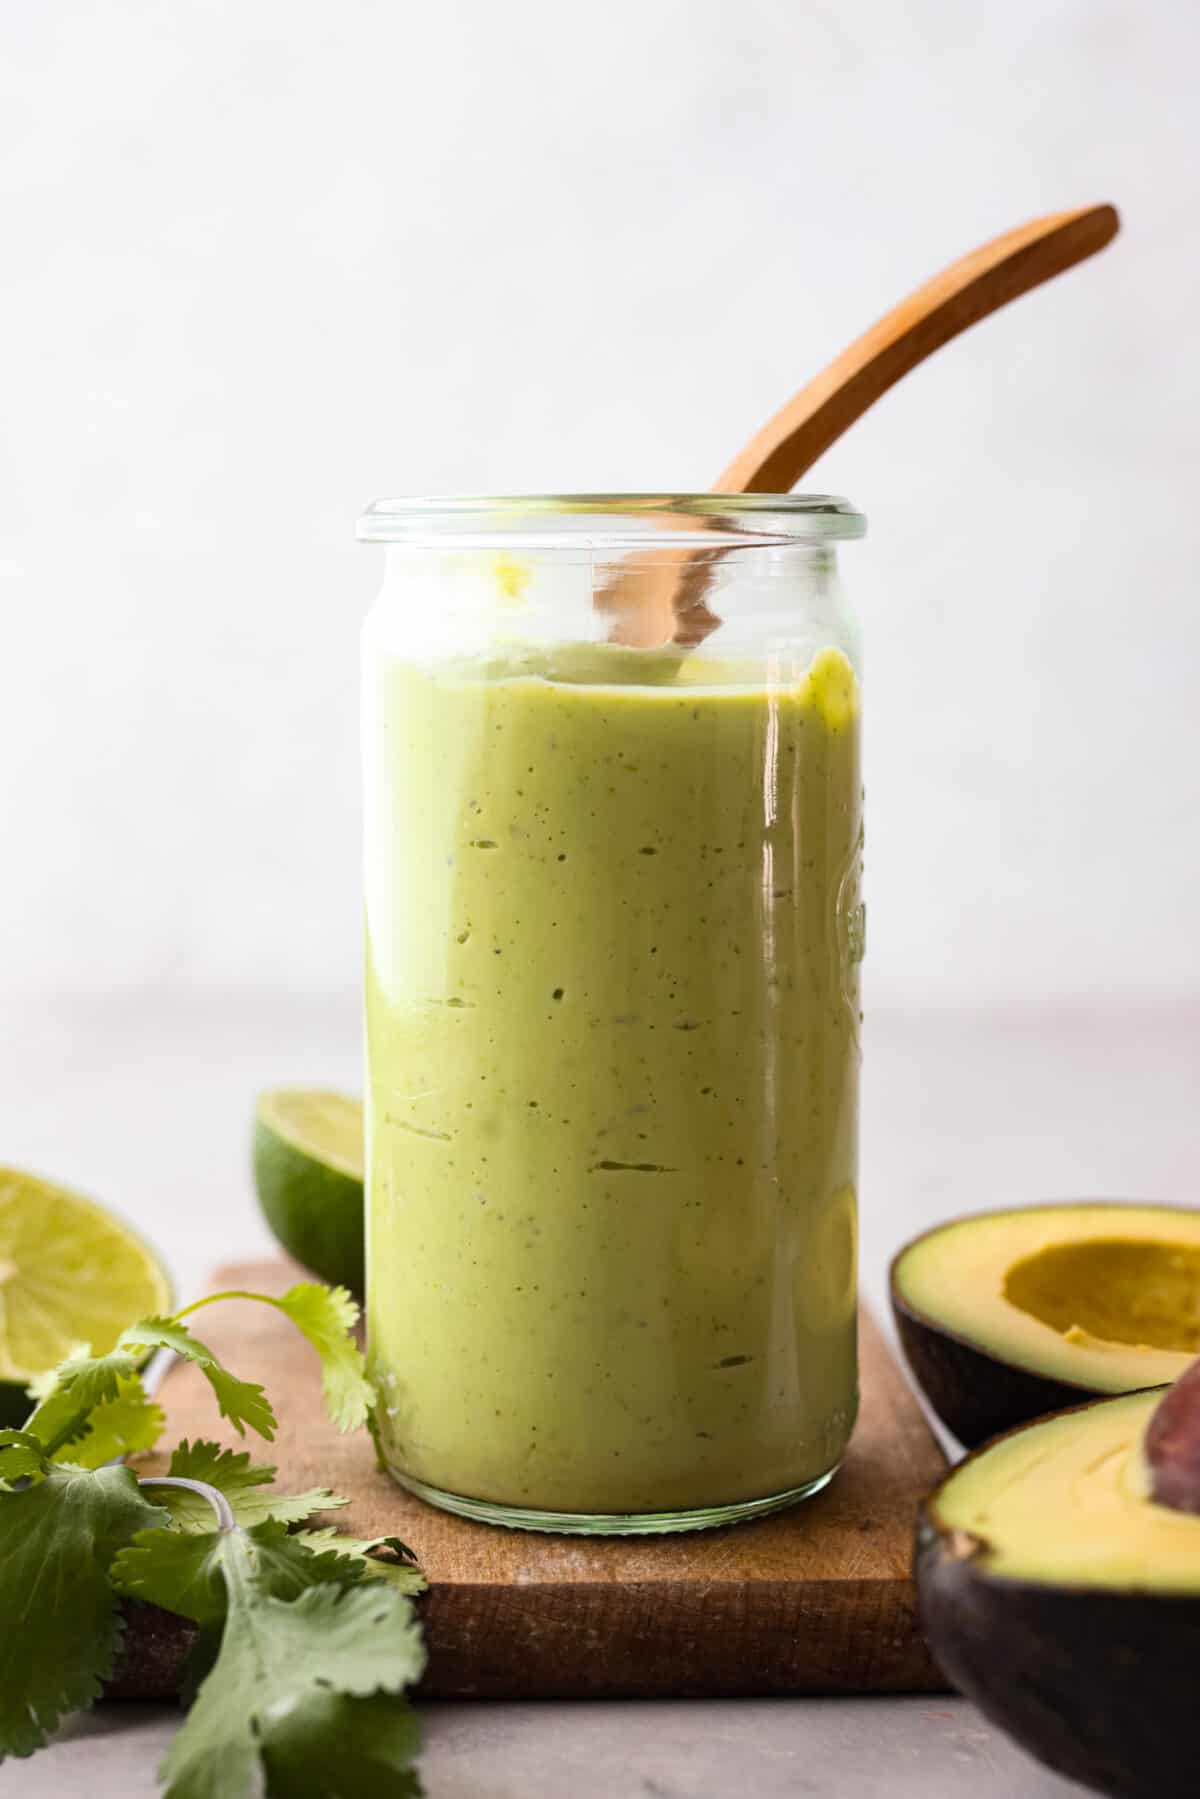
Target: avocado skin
point(1098, 1685)
point(975, 1395)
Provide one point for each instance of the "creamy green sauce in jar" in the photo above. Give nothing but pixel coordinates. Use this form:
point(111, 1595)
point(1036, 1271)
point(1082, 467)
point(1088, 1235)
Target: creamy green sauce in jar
point(612, 1032)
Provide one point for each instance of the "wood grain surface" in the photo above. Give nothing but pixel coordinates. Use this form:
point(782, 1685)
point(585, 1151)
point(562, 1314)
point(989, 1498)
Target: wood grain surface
point(815, 1600)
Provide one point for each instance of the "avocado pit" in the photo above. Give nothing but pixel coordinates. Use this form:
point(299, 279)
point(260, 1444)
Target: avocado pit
point(1172, 1445)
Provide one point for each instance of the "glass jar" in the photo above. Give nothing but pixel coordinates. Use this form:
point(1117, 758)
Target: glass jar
point(613, 855)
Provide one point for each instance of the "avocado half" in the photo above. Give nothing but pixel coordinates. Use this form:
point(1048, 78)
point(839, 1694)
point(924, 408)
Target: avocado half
point(1005, 1316)
point(1060, 1596)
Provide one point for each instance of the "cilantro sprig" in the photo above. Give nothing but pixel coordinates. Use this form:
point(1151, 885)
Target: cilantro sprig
point(295, 1692)
point(307, 1638)
point(73, 1397)
point(327, 1317)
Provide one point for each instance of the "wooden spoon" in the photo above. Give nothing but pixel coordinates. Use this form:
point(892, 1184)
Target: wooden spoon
point(665, 602)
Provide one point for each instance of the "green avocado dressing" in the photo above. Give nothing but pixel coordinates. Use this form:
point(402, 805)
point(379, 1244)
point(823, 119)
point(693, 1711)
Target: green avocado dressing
point(612, 1031)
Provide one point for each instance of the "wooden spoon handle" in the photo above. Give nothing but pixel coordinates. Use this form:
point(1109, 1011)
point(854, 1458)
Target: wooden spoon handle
point(774, 460)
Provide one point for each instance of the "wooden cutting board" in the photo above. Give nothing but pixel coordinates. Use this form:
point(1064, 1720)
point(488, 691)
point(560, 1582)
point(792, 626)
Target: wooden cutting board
point(815, 1600)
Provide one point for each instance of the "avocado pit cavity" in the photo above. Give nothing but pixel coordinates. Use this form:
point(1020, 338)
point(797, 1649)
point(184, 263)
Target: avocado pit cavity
point(1113, 1290)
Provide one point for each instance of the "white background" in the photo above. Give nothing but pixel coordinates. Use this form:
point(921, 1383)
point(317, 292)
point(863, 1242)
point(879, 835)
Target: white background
point(263, 262)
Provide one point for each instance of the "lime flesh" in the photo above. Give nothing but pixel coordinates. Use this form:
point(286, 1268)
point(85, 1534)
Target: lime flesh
point(308, 1169)
point(70, 1273)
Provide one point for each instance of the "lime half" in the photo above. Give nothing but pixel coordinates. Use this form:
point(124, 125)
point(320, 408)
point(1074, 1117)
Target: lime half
point(308, 1168)
point(70, 1273)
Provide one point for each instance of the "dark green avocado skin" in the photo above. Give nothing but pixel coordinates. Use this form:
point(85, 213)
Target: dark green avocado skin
point(1102, 1686)
point(975, 1395)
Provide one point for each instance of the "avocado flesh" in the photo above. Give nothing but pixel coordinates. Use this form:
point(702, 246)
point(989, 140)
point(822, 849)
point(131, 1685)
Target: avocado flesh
point(1100, 1298)
point(1067, 1503)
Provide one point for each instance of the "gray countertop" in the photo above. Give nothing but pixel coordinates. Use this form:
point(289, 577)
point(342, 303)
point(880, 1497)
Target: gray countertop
point(661, 1749)
point(148, 1107)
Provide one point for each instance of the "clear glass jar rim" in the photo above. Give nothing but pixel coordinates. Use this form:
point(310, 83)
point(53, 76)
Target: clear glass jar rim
point(610, 521)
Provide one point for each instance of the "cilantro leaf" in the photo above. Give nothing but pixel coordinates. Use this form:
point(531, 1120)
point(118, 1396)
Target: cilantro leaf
point(273, 1689)
point(61, 1623)
point(399, 1566)
point(87, 1377)
point(174, 1569)
point(241, 1481)
point(183, 1571)
point(304, 1747)
point(327, 1316)
point(74, 1391)
point(118, 1427)
point(42, 1385)
point(241, 1401)
point(21, 1455)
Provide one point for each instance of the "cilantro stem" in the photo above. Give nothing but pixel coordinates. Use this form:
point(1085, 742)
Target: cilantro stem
point(208, 1299)
point(220, 1505)
point(266, 1299)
